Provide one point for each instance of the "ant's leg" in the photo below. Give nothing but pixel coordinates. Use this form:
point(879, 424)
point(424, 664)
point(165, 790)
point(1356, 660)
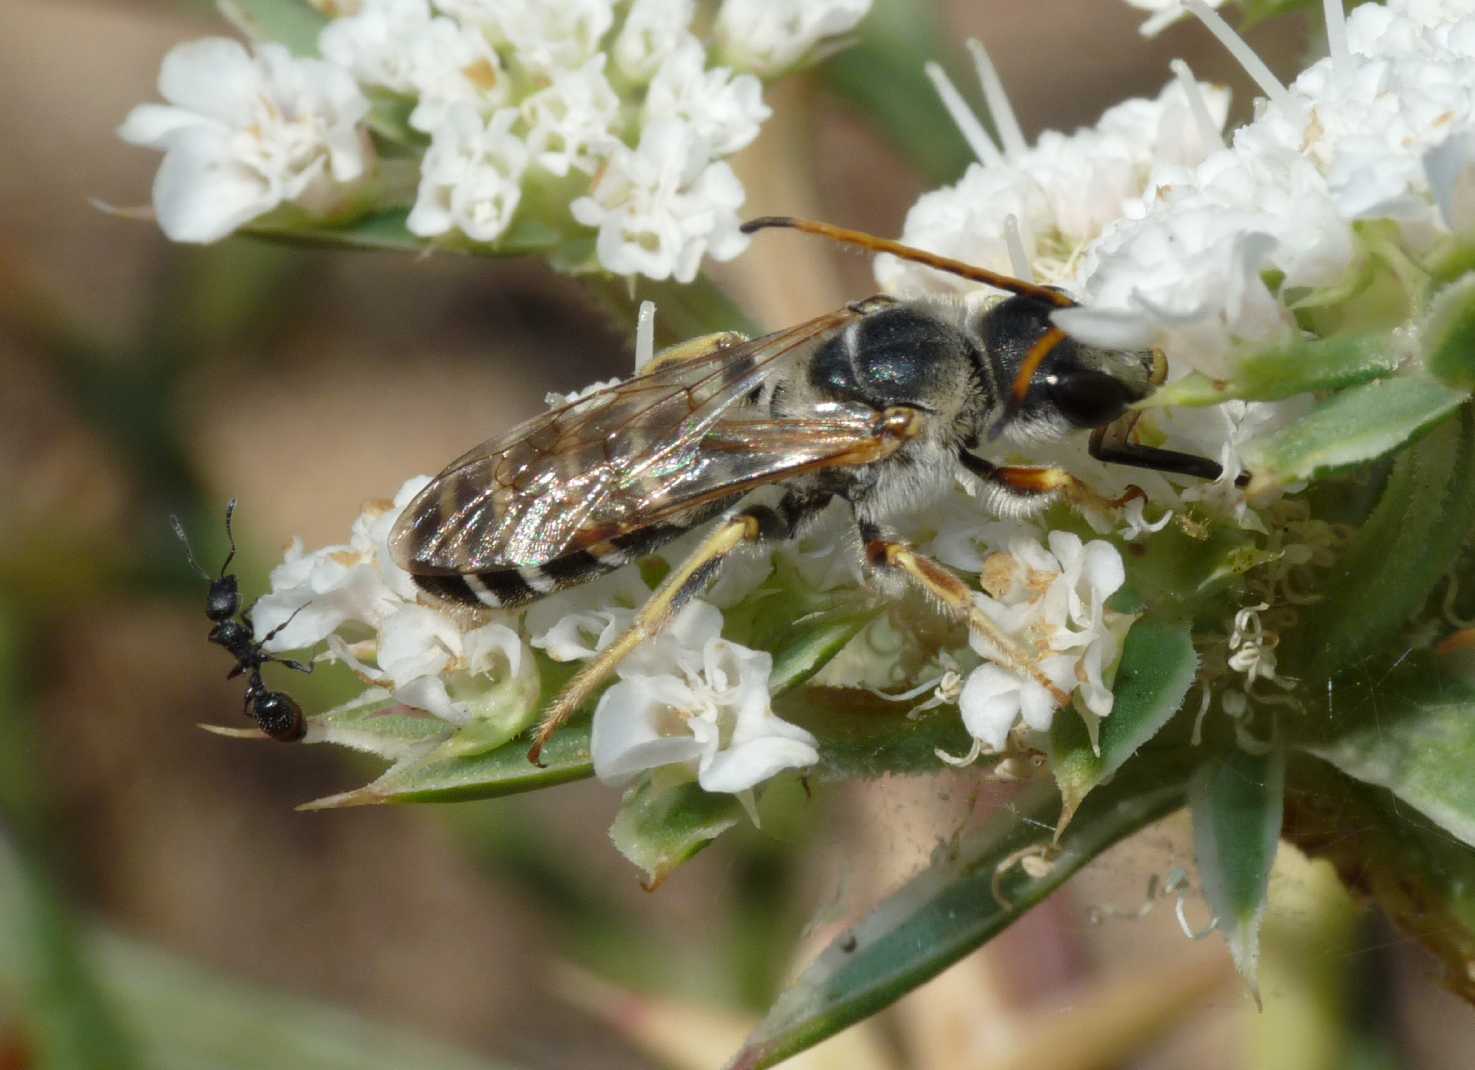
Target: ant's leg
point(681, 585)
point(955, 597)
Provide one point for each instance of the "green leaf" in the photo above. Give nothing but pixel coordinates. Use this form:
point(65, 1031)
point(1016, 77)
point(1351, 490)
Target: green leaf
point(1238, 800)
point(1421, 877)
point(1357, 425)
point(1156, 670)
point(1398, 555)
point(1449, 335)
point(1285, 370)
point(659, 827)
point(293, 23)
point(1411, 731)
point(384, 230)
point(967, 896)
point(504, 771)
point(882, 76)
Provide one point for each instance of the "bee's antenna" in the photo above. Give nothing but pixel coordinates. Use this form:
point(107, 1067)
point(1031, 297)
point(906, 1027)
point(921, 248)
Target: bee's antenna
point(230, 509)
point(188, 551)
point(906, 252)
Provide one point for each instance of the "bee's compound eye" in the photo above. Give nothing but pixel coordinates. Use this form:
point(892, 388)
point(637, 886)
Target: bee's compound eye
point(1090, 398)
point(280, 717)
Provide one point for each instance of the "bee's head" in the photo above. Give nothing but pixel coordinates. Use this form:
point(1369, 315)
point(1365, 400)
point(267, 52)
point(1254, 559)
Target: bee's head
point(1075, 386)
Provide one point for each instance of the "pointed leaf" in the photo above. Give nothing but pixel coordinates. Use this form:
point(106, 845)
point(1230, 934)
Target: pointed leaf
point(660, 827)
point(1359, 424)
point(951, 908)
point(504, 771)
point(1411, 731)
point(1237, 801)
point(1449, 335)
point(293, 23)
point(1157, 668)
point(1286, 370)
point(1403, 549)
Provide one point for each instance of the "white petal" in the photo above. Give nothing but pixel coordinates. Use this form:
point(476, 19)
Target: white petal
point(745, 765)
point(989, 704)
point(215, 77)
point(633, 732)
point(201, 193)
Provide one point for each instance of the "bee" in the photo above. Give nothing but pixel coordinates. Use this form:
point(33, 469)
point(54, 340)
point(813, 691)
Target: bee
point(275, 713)
point(877, 404)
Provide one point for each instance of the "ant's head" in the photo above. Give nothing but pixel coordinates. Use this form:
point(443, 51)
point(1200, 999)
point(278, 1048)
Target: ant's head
point(224, 599)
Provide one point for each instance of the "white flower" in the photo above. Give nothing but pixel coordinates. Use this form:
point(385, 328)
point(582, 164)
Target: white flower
point(994, 700)
point(353, 584)
point(569, 122)
point(690, 698)
point(724, 109)
point(662, 206)
point(542, 36)
point(433, 665)
point(1164, 14)
point(1062, 192)
point(397, 44)
point(768, 36)
point(242, 134)
point(1051, 604)
point(471, 177)
point(651, 32)
point(576, 624)
point(1365, 134)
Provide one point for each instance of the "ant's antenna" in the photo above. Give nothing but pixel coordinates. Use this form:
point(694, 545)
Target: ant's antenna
point(188, 551)
point(230, 508)
point(862, 240)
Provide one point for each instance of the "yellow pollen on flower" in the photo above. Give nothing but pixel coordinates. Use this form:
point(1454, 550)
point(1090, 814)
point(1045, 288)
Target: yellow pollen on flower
point(481, 74)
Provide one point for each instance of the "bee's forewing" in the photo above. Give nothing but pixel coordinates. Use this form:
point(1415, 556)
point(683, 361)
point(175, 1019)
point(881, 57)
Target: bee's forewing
point(619, 459)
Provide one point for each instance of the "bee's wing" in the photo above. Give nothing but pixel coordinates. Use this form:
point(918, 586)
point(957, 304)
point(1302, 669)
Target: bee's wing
point(616, 460)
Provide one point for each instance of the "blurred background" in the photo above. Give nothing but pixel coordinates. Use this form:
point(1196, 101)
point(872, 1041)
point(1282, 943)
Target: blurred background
point(161, 902)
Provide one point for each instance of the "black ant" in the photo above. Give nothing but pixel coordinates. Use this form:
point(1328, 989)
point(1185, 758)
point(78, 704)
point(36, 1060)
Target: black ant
point(277, 714)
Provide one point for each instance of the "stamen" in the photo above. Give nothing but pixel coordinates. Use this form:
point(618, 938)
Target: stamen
point(1253, 65)
point(984, 149)
point(1018, 258)
point(997, 100)
point(645, 334)
point(1207, 129)
point(1336, 36)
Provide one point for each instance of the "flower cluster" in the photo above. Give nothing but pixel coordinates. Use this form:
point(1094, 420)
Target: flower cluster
point(1222, 254)
point(528, 122)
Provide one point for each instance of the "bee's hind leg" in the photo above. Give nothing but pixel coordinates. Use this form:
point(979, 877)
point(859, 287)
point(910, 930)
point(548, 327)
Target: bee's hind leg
point(681, 585)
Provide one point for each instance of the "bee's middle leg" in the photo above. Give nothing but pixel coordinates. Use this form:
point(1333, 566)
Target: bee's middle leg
point(1033, 488)
point(684, 582)
point(955, 597)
